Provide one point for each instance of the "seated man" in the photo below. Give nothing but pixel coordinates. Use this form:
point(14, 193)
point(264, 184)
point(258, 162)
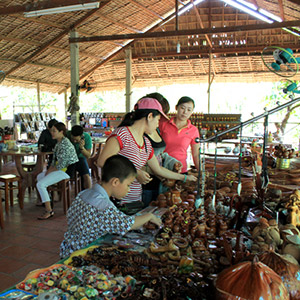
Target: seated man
point(82, 142)
point(93, 215)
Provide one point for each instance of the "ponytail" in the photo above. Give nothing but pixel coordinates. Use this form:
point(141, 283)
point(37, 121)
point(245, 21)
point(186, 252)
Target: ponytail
point(128, 119)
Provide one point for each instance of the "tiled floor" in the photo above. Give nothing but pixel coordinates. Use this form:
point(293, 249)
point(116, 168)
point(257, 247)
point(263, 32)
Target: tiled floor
point(27, 243)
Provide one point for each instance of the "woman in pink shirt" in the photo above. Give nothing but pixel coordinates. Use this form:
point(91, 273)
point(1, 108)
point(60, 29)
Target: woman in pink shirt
point(179, 133)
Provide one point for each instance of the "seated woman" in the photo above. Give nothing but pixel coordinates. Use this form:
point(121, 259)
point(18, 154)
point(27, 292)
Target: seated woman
point(178, 133)
point(63, 157)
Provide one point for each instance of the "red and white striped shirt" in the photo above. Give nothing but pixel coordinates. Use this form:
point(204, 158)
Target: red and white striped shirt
point(138, 155)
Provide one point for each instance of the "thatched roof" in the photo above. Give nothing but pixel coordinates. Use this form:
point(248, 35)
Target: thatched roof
point(37, 49)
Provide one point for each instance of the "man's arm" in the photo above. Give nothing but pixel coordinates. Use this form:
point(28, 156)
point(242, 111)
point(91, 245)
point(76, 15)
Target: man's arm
point(85, 146)
point(86, 153)
point(139, 221)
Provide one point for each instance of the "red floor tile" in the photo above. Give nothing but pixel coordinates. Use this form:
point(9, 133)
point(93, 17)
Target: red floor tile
point(22, 240)
point(15, 251)
point(47, 245)
point(41, 257)
point(23, 272)
point(27, 243)
point(10, 265)
point(7, 281)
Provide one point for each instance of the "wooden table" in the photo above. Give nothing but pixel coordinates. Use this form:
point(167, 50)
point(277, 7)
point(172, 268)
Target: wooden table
point(28, 178)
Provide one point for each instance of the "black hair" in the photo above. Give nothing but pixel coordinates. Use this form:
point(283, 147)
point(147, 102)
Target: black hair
point(136, 115)
point(117, 166)
point(185, 99)
point(161, 99)
point(51, 123)
point(60, 126)
point(77, 130)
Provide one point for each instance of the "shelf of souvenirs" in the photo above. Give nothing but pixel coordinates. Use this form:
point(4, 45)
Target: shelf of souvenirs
point(209, 124)
point(32, 124)
point(100, 120)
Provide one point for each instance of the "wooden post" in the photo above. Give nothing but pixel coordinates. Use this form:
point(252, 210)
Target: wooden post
point(74, 54)
point(66, 106)
point(38, 95)
point(128, 92)
point(209, 82)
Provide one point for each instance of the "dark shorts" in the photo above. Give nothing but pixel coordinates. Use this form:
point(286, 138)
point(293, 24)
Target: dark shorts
point(82, 166)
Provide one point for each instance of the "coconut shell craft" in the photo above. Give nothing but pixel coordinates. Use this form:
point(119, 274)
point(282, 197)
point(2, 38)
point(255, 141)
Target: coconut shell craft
point(250, 281)
point(289, 272)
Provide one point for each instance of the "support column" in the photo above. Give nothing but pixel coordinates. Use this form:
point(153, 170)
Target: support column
point(38, 95)
point(209, 82)
point(128, 92)
point(66, 107)
point(74, 100)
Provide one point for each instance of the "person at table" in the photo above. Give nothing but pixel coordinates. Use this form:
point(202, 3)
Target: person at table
point(178, 133)
point(64, 157)
point(46, 143)
point(155, 187)
point(129, 140)
point(82, 142)
point(92, 214)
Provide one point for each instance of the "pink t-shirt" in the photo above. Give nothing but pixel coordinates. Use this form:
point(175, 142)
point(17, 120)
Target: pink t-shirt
point(178, 141)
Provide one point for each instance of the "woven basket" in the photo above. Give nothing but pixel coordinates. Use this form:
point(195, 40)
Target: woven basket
point(282, 163)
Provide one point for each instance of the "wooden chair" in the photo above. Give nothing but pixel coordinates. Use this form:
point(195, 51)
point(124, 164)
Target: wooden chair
point(29, 166)
point(92, 161)
point(1, 213)
point(9, 187)
point(63, 189)
point(77, 182)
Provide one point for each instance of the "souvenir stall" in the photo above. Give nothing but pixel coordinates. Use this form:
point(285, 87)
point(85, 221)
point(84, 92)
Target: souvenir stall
point(231, 235)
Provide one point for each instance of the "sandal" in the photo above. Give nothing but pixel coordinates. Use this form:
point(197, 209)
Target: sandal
point(46, 215)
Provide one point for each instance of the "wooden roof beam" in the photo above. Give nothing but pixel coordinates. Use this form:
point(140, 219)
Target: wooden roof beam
point(144, 8)
point(281, 9)
point(8, 10)
point(201, 24)
point(186, 32)
point(86, 74)
point(13, 78)
point(95, 67)
point(55, 39)
point(295, 1)
point(222, 51)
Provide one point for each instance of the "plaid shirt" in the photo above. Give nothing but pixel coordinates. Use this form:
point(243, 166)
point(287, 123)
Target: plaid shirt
point(91, 216)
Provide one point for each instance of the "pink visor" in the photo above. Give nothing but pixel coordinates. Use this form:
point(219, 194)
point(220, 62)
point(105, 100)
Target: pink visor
point(150, 103)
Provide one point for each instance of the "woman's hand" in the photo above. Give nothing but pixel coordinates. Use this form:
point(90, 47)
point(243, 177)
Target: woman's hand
point(157, 221)
point(143, 177)
point(191, 178)
point(177, 167)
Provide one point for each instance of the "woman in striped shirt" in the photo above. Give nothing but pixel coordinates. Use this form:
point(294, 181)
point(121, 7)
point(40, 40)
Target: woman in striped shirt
point(129, 140)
